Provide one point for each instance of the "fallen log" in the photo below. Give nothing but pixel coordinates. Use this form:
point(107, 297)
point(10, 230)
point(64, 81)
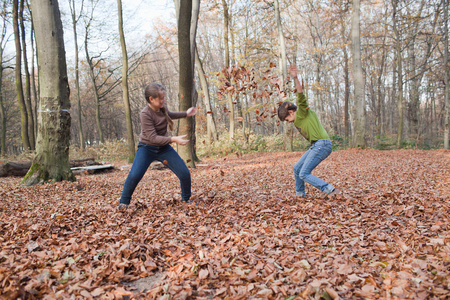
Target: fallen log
point(20, 168)
point(91, 169)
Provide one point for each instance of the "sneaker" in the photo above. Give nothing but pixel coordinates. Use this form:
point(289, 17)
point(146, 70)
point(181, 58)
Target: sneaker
point(193, 198)
point(122, 207)
point(335, 193)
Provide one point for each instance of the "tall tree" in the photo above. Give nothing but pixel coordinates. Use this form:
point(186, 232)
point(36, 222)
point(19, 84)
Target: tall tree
point(27, 95)
point(33, 79)
point(288, 135)
point(358, 79)
point(51, 161)
point(3, 41)
point(344, 37)
point(77, 70)
point(18, 72)
point(186, 78)
point(399, 67)
point(446, 78)
point(125, 93)
point(211, 131)
point(226, 21)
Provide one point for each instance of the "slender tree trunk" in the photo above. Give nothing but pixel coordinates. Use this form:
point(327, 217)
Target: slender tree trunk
point(2, 107)
point(193, 46)
point(77, 71)
point(288, 136)
point(27, 79)
point(51, 161)
point(33, 80)
point(346, 84)
point(18, 73)
point(380, 94)
point(227, 65)
point(96, 94)
point(400, 76)
point(192, 37)
point(446, 78)
point(360, 122)
point(210, 122)
point(186, 77)
point(126, 100)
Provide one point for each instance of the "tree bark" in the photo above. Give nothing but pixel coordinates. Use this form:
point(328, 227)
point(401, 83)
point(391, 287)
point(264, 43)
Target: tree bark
point(346, 84)
point(33, 79)
point(360, 122)
point(126, 100)
point(227, 65)
point(94, 84)
point(51, 162)
point(186, 78)
point(398, 49)
point(18, 73)
point(77, 71)
point(2, 107)
point(27, 79)
point(288, 136)
point(446, 78)
point(210, 122)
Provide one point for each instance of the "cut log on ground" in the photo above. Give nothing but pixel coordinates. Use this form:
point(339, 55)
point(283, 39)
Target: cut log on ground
point(20, 168)
point(91, 169)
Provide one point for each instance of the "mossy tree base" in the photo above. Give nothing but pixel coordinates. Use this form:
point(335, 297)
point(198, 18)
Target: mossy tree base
point(40, 175)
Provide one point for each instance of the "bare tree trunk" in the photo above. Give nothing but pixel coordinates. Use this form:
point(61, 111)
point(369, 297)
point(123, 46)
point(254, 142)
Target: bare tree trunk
point(380, 94)
point(346, 84)
point(400, 75)
point(193, 48)
point(227, 65)
point(210, 122)
point(96, 93)
point(77, 71)
point(51, 161)
point(186, 78)
point(33, 80)
point(18, 73)
point(126, 100)
point(3, 40)
point(288, 136)
point(446, 78)
point(27, 79)
point(360, 122)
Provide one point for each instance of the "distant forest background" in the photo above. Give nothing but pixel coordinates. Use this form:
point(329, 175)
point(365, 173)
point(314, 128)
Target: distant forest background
point(239, 75)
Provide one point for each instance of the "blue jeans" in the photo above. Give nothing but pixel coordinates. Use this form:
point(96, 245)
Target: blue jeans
point(145, 155)
point(303, 168)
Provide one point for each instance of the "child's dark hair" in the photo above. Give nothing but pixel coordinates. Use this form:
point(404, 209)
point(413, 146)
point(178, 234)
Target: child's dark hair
point(284, 108)
point(153, 90)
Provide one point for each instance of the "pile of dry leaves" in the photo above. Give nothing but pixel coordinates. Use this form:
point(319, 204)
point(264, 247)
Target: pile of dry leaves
point(246, 237)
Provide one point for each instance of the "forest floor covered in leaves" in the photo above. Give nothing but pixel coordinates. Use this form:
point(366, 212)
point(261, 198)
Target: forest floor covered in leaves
point(246, 237)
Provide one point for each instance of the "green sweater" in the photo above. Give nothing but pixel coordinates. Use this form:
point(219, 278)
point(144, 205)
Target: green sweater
point(307, 122)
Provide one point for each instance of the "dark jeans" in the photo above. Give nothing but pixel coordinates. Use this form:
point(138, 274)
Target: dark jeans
point(145, 155)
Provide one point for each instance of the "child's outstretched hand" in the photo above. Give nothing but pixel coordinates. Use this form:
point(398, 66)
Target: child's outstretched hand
point(293, 70)
point(191, 111)
point(179, 139)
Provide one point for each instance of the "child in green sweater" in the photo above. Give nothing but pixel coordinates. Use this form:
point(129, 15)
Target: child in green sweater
point(307, 123)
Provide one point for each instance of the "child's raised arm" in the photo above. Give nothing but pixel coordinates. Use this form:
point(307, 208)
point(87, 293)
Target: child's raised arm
point(293, 72)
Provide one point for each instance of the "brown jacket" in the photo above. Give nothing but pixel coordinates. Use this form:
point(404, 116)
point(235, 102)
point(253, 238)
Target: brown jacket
point(154, 126)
